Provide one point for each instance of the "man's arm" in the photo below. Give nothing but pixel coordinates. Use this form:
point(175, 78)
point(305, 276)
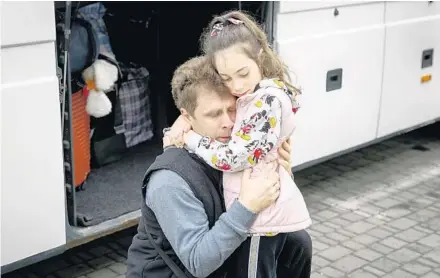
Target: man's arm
point(184, 222)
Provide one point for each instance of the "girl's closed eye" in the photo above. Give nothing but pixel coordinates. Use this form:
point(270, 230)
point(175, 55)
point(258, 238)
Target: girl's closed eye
point(244, 74)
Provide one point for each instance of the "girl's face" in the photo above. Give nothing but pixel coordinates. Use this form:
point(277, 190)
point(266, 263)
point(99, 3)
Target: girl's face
point(239, 72)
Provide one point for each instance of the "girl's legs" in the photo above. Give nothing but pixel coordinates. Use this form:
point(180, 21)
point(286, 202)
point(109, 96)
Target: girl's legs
point(295, 260)
point(257, 257)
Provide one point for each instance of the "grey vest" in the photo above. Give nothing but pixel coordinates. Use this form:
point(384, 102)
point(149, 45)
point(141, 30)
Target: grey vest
point(143, 261)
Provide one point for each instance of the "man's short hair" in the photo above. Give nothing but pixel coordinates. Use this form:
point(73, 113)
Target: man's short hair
point(190, 78)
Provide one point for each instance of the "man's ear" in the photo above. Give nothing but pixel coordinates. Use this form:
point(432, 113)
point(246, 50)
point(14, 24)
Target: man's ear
point(185, 114)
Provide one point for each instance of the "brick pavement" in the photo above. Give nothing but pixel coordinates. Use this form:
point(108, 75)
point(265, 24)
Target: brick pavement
point(376, 213)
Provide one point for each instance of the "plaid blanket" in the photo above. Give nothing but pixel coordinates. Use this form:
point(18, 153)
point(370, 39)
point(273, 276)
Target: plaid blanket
point(135, 105)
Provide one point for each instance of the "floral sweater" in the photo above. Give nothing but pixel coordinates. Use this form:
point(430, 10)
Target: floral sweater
point(264, 120)
point(255, 136)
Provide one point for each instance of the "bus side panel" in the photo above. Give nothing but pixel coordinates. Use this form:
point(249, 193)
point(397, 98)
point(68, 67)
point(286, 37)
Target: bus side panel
point(301, 6)
point(337, 59)
point(413, 30)
point(32, 182)
point(27, 22)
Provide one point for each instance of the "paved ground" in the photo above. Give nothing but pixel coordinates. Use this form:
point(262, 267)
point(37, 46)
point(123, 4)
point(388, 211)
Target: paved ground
point(376, 214)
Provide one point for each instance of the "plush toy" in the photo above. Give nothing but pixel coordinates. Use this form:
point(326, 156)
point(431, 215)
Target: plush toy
point(99, 78)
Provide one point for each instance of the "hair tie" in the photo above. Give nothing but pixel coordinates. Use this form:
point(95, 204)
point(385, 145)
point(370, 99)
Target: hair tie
point(219, 26)
point(216, 28)
point(235, 21)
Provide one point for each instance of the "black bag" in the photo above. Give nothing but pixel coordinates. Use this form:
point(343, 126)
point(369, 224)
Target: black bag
point(83, 46)
point(108, 139)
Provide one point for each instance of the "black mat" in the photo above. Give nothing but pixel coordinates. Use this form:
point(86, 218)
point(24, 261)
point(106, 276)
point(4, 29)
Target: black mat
point(114, 189)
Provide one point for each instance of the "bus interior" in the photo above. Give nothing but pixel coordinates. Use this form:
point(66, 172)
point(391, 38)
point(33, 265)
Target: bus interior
point(158, 37)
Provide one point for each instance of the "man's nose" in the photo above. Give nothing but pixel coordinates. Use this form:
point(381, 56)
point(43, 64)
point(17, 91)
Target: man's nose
point(227, 121)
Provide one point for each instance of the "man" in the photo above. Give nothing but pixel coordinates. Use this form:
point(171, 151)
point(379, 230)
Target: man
point(189, 232)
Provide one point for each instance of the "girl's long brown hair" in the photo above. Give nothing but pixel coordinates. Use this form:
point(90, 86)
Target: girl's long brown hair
point(254, 41)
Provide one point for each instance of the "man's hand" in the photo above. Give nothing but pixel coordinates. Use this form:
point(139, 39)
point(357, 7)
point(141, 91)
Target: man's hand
point(258, 193)
point(285, 155)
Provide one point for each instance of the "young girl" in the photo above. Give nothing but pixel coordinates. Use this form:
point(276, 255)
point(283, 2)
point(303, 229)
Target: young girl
point(266, 108)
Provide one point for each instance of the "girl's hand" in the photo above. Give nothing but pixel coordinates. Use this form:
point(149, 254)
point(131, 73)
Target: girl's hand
point(285, 155)
point(166, 142)
point(175, 135)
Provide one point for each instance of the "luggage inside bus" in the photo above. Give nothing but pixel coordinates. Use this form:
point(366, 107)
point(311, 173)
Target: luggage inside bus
point(146, 42)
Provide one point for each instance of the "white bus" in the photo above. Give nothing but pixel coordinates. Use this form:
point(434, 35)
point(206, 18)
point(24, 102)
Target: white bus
point(369, 71)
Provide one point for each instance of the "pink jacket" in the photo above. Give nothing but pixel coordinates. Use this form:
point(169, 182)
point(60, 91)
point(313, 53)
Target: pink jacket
point(265, 119)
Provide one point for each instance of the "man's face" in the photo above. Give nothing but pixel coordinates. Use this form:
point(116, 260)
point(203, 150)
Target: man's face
point(214, 115)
